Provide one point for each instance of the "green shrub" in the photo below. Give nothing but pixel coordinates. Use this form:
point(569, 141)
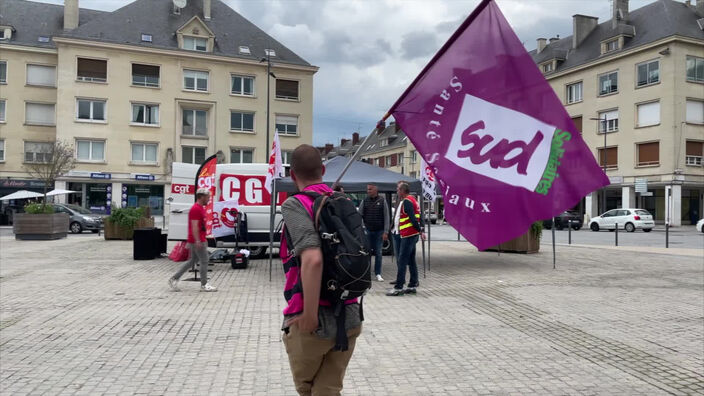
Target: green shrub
point(126, 217)
point(536, 229)
point(37, 208)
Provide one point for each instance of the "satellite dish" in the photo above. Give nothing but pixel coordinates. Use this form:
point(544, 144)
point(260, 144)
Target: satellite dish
point(179, 3)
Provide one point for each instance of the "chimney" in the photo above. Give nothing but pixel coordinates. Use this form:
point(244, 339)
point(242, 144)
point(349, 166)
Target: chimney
point(343, 141)
point(582, 26)
point(700, 7)
point(70, 14)
point(355, 138)
point(620, 12)
point(206, 9)
point(542, 43)
point(328, 147)
point(553, 39)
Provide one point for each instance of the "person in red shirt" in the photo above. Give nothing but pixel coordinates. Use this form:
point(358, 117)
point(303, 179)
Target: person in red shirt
point(196, 243)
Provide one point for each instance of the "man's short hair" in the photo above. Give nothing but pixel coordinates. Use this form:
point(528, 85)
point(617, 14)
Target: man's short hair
point(338, 188)
point(202, 192)
point(405, 188)
point(306, 163)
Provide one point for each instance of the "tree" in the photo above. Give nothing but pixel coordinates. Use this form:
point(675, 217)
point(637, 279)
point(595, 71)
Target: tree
point(51, 163)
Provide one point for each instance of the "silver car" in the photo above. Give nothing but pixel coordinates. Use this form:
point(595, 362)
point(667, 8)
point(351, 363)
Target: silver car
point(80, 219)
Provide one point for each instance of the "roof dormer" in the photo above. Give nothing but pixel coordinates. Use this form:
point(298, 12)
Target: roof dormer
point(6, 32)
point(195, 35)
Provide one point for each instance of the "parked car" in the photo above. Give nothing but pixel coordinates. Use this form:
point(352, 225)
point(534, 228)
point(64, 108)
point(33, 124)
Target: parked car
point(627, 219)
point(80, 219)
point(565, 219)
point(700, 225)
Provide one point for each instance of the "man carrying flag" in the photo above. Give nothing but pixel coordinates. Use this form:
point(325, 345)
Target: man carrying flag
point(276, 167)
point(501, 145)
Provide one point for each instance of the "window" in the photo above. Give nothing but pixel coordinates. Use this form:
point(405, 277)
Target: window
point(90, 110)
point(286, 157)
point(547, 68)
point(41, 75)
point(195, 122)
point(242, 85)
point(3, 72)
point(608, 121)
point(287, 89)
point(648, 73)
point(388, 160)
point(92, 70)
point(195, 80)
point(37, 152)
point(695, 153)
point(611, 46)
point(574, 92)
point(144, 152)
point(414, 156)
point(287, 125)
point(193, 155)
point(648, 114)
point(195, 43)
point(43, 39)
point(90, 150)
point(2, 110)
point(244, 50)
point(39, 114)
point(578, 123)
point(241, 121)
point(2, 150)
point(695, 111)
point(269, 52)
point(147, 114)
point(383, 142)
point(241, 156)
point(611, 158)
point(608, 83)
point(145, 75)
point(648, 153)
point(146, 37)
point(695, 69)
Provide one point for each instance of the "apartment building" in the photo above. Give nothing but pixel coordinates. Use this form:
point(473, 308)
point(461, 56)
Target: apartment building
point(138, 88)
point(634, 86)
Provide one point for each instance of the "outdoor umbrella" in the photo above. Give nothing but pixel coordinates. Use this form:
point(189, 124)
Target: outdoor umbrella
point(59, 191)
point(21, 194)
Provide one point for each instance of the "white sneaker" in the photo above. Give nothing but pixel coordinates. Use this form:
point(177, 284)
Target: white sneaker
point(379, 278)
point(173, 284)
point(208, 288)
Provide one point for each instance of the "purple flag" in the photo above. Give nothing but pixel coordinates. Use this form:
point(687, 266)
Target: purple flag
point(504, 149)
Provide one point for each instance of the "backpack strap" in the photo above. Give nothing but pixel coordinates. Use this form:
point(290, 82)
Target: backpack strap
point(341, 341)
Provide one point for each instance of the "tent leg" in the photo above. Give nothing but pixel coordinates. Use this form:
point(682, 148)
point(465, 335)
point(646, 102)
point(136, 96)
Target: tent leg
point(422, 220)
point(553, 246)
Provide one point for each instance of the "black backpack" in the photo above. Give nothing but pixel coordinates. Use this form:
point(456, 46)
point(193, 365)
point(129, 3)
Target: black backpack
point(346, 254)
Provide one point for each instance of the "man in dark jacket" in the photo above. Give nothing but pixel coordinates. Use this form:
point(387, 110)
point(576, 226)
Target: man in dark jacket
point(376, 219)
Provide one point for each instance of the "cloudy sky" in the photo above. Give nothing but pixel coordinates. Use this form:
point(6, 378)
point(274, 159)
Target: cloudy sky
point(369, 51)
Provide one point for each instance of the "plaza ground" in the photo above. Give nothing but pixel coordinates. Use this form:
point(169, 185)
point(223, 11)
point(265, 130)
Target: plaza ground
point(79, 316)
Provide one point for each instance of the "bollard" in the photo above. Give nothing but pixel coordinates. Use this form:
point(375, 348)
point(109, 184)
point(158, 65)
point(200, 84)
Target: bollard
point(667, 235)
point(569, 233)
point(616, 231)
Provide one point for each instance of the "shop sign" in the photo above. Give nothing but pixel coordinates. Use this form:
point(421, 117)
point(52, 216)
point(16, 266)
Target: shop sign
point(17, 183)
point(144, 177)
point(641, 185)
point(100, 175)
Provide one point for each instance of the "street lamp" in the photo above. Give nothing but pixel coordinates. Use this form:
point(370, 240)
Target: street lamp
point(603, 192)
point(268, 94)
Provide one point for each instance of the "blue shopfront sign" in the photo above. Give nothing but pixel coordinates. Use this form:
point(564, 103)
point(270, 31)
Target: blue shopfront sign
point(100, 175)
point(144, 177)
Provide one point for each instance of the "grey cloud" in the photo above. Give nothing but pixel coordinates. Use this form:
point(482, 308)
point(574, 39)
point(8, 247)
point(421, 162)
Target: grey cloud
point(449, 27)
point(418, 44)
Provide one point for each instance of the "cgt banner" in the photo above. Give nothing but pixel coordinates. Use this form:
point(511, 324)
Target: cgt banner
point(205, 178)
point(427, 180)
point(224, 218)
point(503, 148)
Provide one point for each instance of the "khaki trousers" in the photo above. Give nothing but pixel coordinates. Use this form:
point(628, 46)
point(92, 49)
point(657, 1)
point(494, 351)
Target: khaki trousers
point(317, 369)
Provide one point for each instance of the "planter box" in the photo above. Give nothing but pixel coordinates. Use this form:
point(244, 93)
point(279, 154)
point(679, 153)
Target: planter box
point(525, 243)
point(40, 226)
point(115, 231)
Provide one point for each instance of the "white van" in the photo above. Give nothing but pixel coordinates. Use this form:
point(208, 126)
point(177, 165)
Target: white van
point(243, 183)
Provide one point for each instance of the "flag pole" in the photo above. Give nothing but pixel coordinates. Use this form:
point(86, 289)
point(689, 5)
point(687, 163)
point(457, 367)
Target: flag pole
point(272, 216)
point(359, 149)
point(422, 227)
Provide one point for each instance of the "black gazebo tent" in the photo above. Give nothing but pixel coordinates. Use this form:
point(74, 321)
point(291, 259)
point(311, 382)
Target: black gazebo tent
point(355, 180)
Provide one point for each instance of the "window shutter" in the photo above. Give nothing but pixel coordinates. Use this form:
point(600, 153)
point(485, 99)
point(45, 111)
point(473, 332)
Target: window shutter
point(649, 153)
point(649, 114)
point(287, 89)
point(695, 111)
point(611, 157)
point(695, 148)
point(92, 68)
point(41, 75)
point(578, 124)
point(39, 113)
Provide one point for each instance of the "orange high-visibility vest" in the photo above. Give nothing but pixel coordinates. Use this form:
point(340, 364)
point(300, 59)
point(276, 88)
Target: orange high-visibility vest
point(405, 227)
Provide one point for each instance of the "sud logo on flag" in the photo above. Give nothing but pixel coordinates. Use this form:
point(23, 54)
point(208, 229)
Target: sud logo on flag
point(502, 147)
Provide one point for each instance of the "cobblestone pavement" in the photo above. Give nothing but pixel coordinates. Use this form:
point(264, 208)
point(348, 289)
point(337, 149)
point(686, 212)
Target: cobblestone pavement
point(79, 316)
